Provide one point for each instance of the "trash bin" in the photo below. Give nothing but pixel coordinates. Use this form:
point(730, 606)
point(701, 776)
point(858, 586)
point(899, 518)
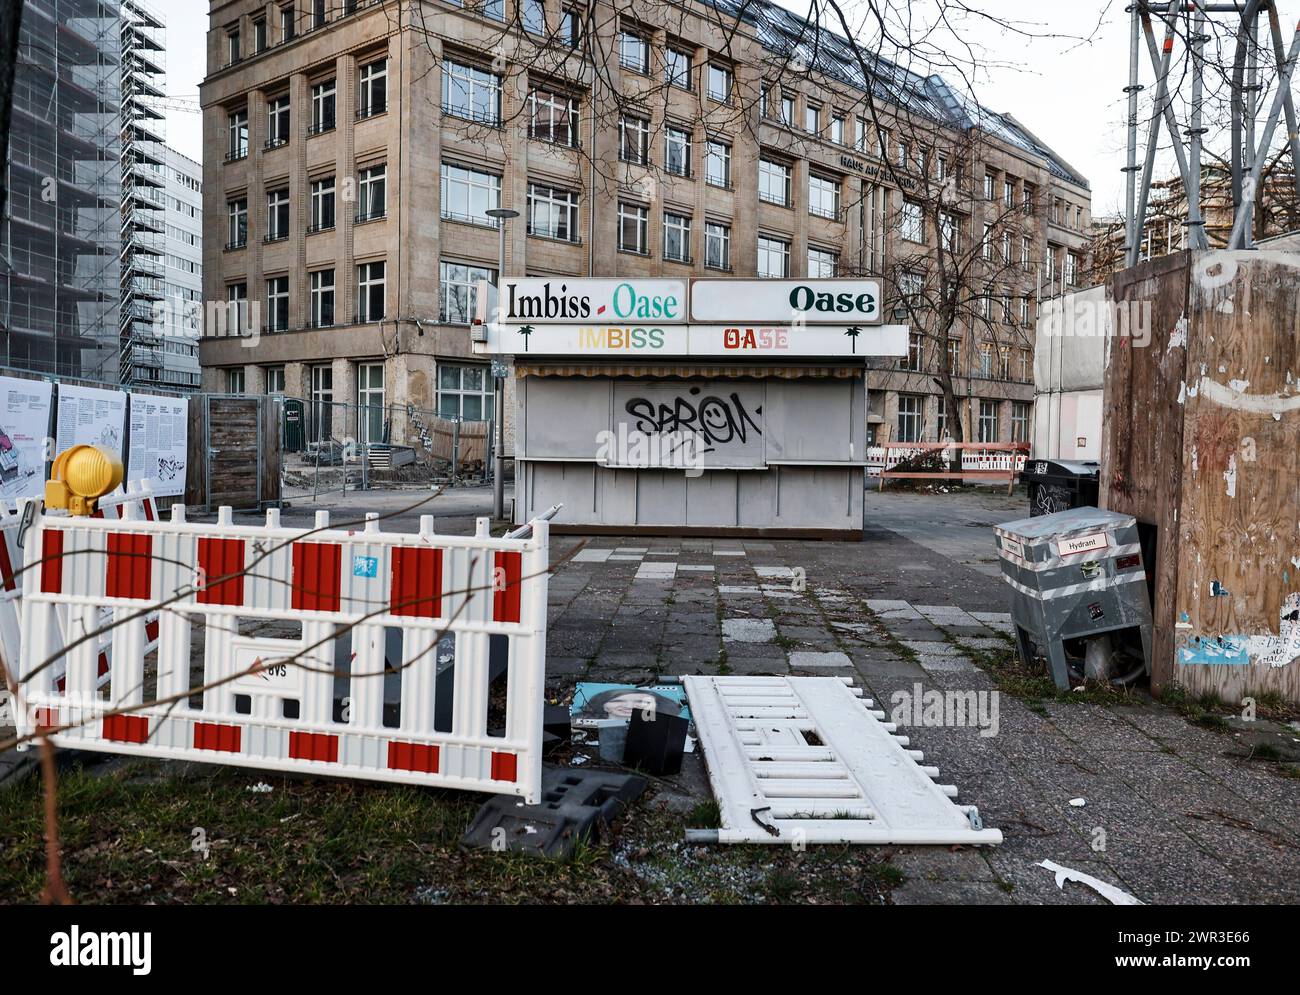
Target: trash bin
point(1079, 594)
point(1058, 485)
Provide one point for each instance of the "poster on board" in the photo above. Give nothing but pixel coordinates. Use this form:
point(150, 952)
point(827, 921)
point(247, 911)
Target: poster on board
point(159, 435)
point(90, 416)
point(24, 428)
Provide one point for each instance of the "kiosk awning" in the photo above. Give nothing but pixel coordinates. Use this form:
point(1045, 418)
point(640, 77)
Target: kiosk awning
point(692, 371)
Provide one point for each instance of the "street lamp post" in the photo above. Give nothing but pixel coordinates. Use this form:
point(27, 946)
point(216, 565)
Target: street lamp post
point(502, 215)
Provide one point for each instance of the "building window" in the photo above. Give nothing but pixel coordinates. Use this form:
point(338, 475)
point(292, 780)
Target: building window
point(677, 151)
point(986, 243)
point(236, 309)
point(677, 238)
point(237, 146)
point(1006, 247)
point(277, 121)
point(370, 402)
point(633, 228)
point(717, 246)
point(277, 215)
point(1019, 421)
point(1008, 316)
point(860, 135)
point(321, 415)
point(677, 68)
point(984, 360)
point(912, 228)
point(372, 193)
point(320, 295)
point(571, 24)
point(823, 196)
point(467, 194)
point(1024, 312)
point(464, 392)
point(232, 47)
point(950, 232)
point(552, 212)
point(787, 109)
point(470, 93)
point(458, 290)
point(277, 306)
point(1026, 366)
point(372, 88)
point(1071, 269)
point(370, 292)
point(912, 361)
point(822, 263)
point(323, 99)
point(534, 16)
point(773, 257)
point(235, 380)
point(911, 408)
point(495, 9)
point(288, 27)
point(633, 52)
point(954, 357)
point(322, 204)
point(318, 16)
point(988, 421)
point(989, 182)
point(941, 419)
point(634, 140)
point(260, 38)
point(237, 213)
point(774, 182)
point(717, 163)
point(837, 129)
point(941, 167)
point(275, 379)
point(719, 83)
point(812, 119)
point(1008, 192)
point(1024, 252)
point(553, 118)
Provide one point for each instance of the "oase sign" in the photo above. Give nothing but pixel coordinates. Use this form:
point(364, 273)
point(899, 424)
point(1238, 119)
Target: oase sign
point(561, 301)
point(789, 302)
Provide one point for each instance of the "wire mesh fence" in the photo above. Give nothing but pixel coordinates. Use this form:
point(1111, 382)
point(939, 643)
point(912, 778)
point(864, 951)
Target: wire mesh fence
point(331, 447)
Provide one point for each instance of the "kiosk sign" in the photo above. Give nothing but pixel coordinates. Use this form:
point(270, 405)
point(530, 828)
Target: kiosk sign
point(790, 302)
point(559, 301)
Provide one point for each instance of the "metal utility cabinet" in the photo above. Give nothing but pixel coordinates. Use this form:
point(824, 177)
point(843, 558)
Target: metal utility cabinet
point(1079, 592)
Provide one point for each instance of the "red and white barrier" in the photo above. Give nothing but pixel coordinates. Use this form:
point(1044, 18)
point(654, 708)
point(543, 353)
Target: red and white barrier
point(270, 702)
point(114, 506)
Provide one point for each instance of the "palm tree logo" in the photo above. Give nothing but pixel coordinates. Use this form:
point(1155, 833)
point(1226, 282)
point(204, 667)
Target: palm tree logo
point(853, 332)
point(526, 331)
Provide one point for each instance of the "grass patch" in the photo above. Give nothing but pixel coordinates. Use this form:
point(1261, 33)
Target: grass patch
point(1203, 710)
point(128, 832)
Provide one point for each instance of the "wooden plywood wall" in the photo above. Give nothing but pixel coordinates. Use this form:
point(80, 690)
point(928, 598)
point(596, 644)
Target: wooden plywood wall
point(1202, 439)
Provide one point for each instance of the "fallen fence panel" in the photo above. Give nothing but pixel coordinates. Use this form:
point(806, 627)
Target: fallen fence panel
point(807, 760)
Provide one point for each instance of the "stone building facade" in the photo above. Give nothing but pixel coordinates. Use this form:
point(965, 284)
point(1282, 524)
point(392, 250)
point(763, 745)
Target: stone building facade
point(351, 148)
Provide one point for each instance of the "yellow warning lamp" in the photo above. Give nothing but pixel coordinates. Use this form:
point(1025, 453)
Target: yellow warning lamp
point(80, 477)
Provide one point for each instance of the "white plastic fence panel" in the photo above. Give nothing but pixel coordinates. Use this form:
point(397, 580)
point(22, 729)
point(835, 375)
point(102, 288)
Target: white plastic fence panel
point(269, 701)
point(807, 760)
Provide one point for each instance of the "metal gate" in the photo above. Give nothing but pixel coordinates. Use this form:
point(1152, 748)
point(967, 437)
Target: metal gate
point(808, 760)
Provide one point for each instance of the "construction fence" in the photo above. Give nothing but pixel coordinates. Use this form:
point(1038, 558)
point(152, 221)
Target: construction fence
point(334, 447)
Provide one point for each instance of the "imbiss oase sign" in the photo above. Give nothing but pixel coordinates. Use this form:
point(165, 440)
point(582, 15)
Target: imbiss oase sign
point(555, 316)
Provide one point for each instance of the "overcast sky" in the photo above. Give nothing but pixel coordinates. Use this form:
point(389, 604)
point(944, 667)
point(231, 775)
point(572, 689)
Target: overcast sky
point(1060, 69)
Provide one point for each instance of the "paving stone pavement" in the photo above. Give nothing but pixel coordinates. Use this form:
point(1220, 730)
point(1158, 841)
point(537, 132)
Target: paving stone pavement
point(1169, 814)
